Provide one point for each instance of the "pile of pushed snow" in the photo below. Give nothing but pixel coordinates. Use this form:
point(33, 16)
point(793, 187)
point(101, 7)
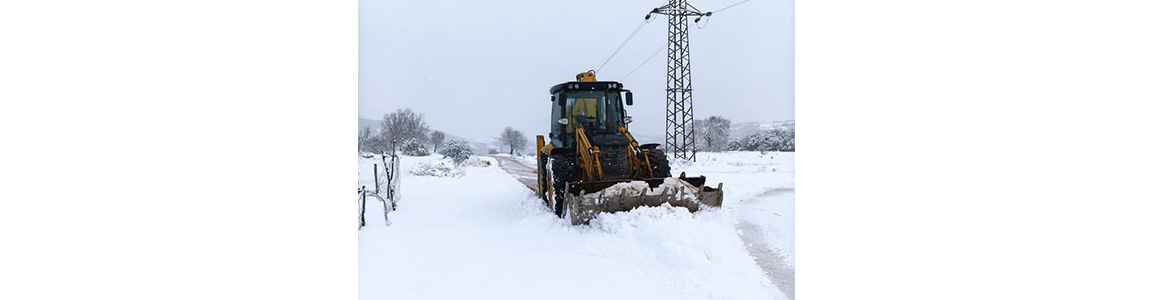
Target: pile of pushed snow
point(477, 162)
point(635, 188)
point(632, 188)
point(675, 184)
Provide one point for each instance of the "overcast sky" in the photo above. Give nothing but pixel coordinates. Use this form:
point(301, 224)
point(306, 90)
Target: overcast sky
point(474, 67)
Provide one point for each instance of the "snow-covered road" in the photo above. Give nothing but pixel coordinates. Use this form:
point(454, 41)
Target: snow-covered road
point(775, 265)
point(524, 173)
point(485, 235)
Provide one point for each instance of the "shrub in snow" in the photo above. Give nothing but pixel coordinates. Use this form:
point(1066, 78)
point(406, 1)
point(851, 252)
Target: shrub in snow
point(762, 141)
point(773, 140)
point(457, 151)
point(734, 145)
point(440, 168)
point(415, 148)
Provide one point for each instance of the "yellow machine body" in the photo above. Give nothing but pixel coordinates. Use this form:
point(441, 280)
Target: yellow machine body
point(590, 149)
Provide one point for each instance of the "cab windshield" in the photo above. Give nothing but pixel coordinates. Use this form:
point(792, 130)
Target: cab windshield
point(596, 110)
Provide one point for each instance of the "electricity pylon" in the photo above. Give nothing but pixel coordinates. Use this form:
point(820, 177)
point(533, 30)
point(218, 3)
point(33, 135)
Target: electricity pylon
point(680, 132)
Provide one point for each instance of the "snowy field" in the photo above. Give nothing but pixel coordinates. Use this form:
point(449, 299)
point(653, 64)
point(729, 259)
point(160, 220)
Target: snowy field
point(485, 235)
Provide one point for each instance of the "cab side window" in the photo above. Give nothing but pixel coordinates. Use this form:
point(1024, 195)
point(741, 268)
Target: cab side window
point(557, 114)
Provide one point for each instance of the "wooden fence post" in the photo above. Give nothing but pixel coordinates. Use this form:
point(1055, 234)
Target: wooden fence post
point(362, 211)
point(393, 206)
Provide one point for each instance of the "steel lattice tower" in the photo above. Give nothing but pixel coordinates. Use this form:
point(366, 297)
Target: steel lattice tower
point(680, 134)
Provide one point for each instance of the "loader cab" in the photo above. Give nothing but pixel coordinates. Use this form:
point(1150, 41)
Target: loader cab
point(596, 105)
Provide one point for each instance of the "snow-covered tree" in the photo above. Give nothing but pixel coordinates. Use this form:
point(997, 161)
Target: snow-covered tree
point(783, 139)
point(762, 141)
point(415, 147)
point(401, 126)
point(457, 150)
point(699, 128)
point(437, 138)
point(713, 133)
point(513, 139)
point(787, 137)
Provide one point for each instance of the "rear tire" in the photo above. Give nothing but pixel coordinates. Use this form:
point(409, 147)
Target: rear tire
point(564, 170)
point(659, 165)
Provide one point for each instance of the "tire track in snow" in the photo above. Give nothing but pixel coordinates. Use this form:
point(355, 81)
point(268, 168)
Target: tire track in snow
point(773, 263)
point(522, 172)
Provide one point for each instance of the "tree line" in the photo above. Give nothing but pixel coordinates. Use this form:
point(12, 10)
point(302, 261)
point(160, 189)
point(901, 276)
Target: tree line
point(407, 131)
point(713, 134)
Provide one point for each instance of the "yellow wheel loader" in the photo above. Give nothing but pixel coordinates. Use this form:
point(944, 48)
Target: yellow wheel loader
point(591, 164)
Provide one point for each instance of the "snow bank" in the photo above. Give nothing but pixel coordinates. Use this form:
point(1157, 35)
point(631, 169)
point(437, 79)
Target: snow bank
point(759, 190)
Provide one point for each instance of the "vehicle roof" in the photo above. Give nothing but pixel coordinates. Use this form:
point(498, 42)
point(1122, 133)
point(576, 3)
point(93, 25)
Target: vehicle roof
point(585, 86)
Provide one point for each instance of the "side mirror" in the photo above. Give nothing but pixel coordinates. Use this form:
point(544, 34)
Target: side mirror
point(552, 98)
point(629, 98)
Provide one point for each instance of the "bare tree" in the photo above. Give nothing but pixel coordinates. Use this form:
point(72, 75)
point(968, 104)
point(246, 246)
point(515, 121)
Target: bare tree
point(363, 138)
point(513, 139)
point(369, 141)
point(437, 138)
point(401, 126)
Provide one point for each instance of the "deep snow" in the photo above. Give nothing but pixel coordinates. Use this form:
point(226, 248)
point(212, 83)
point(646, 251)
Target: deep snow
point(759, 190)
point(485, 235)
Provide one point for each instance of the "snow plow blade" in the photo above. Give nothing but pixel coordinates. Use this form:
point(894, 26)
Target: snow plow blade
point(585, 200)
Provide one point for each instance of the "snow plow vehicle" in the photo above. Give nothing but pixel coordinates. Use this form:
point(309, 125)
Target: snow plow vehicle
point(592, 164)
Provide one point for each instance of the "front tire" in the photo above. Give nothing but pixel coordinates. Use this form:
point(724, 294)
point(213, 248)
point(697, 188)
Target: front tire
point(659, 165)
point(563, 171)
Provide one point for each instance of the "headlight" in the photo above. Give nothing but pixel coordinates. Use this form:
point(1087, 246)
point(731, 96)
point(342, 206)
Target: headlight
point(563, 121)
point(629, 119)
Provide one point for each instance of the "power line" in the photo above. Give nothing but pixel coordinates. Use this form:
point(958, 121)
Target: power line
point(631, 36)
point(619, 48)
point(644, 62)
point(716, 11)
